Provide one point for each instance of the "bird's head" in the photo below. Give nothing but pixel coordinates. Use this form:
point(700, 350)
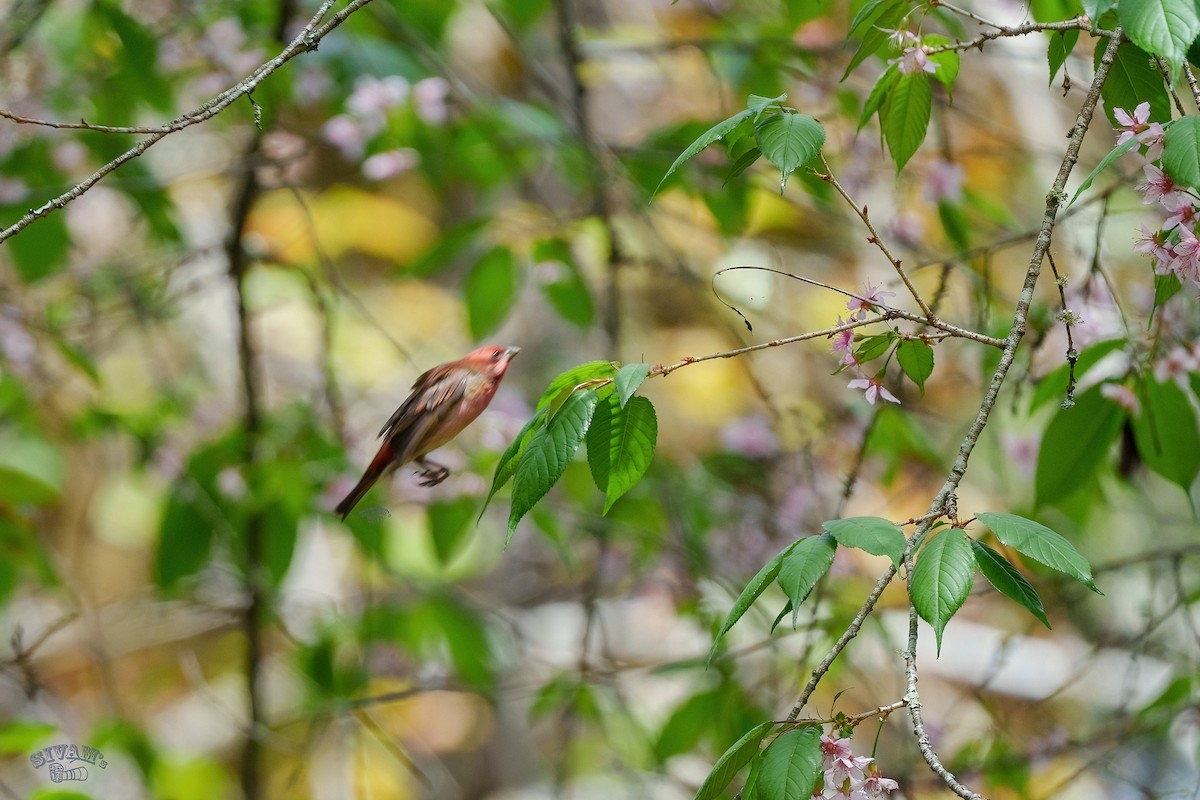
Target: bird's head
point(492, 360)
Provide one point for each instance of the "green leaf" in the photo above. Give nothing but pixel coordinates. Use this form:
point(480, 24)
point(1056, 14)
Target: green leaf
point(279, 530)
point(1054, 384)
point(806, 564)
point(789, 141)
point(759, 104)
point(1008, 581)
point(874, 535)
point(40, 250)
point(1163, 27)
point(569, 293)
point(916, 359)
point(1075, 444)
point(621, 445)
point(1181, 151)
point(20, 736)
point(687, 724)
point(942, 579)
point(1166, 286)
point(905, 117)
point(449, 526)
point(547, 454)
point(1038, 542)
point(1095, 9)
point(185, 537)
point(946, 62)
point(490, 290)
point(628, 379)
point(1133, 79)
point(739, 754)
point(754, 588)
point(743, 163)
point(871, 25)
point(1104, 164)
point(955, 223)
point(510, 459)
point(569, 379)
point(1166, 434)
point(31, 470)
point(467, 641)
point(713, 134)
point(870, 12)
point(791, 765)
point(1061, 45)
point(879, 93)
point(872, 347)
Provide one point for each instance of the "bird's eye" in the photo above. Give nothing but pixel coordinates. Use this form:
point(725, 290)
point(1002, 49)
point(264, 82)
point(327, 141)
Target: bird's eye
point(495, 355)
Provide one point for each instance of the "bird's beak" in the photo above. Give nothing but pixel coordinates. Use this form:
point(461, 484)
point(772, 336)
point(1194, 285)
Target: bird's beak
point(509, 352)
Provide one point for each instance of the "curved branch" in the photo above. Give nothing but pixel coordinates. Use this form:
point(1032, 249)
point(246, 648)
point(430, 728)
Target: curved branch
point(307, 40)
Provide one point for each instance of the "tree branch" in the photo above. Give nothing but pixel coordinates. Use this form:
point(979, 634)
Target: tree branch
point(307, 40)
point(1055, 198)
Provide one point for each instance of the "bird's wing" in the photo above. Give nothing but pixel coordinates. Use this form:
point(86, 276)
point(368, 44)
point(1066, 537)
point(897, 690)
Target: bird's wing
point(435, 395)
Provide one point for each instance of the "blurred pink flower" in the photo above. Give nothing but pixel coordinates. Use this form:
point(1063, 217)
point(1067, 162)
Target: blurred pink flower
point(1122, 395)
point(373, 97)
point(944, 182)
point(389, 163)
point(1182, 213)
point(843, 342)
point(13, 190)
point(429, 96)
point(1185, 257)
point(751, 437)
point(347, 135)
point(1175, 366)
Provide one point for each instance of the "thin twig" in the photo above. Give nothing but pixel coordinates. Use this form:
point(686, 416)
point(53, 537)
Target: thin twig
point(874, 239)
point(82, 125)
point(1076, 24)
point(307, 40)
point(887, 311)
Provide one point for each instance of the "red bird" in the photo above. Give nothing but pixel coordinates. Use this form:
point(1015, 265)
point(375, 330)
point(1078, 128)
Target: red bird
point(444, 400)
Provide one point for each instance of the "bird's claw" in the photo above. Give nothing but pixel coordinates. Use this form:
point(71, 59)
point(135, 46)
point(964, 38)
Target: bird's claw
point(432, 476)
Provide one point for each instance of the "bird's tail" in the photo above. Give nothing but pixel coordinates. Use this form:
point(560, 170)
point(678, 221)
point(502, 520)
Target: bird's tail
point(379, 465)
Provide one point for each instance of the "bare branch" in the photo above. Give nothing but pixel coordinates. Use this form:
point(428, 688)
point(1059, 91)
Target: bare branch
point(307, 40)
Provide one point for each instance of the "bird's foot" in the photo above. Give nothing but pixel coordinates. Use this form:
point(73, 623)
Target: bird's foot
point(432, 474)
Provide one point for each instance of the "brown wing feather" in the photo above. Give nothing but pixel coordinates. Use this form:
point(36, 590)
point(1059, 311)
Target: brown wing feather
point(435, 395)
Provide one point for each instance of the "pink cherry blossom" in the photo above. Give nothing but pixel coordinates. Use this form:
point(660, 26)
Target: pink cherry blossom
point(915, 60)
point(1158, 187)
point(878, 786)
point(1185, 260)
point(873, 389)
point(1183, 213)
point(843, 342)
point(867, 300)
point(1154, 244)
point(1139, 125)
